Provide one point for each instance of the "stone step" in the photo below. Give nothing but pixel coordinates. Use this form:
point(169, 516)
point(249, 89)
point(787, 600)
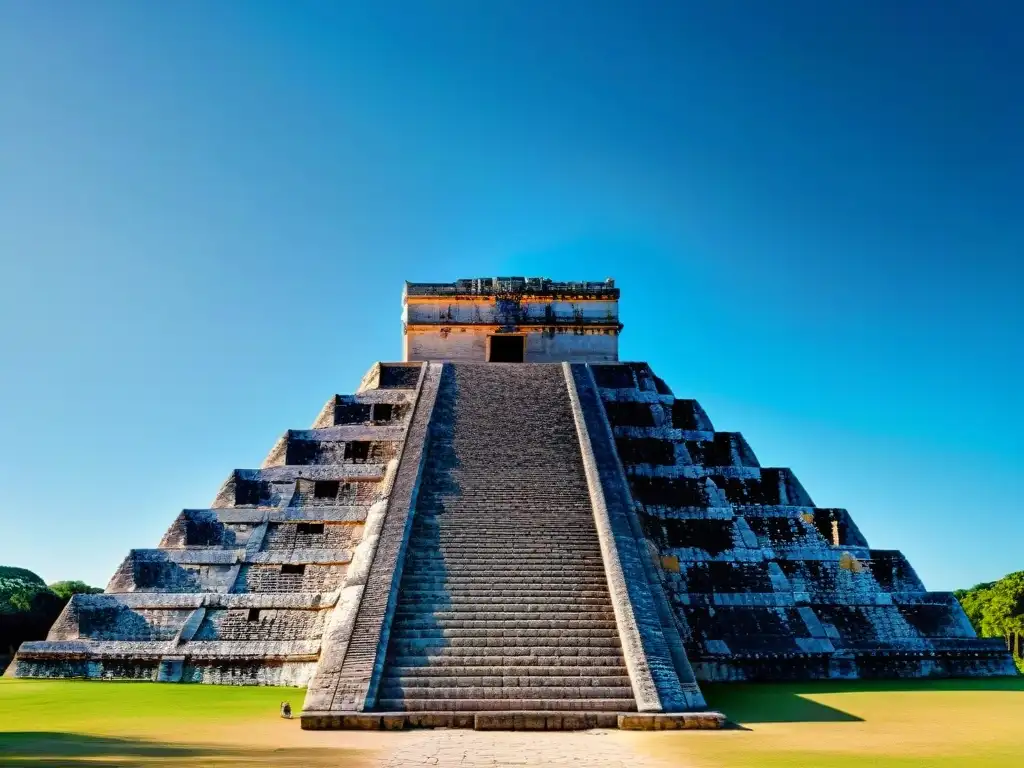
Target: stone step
point(501, 635)
point(611, 674)
point(518, 588)
point(463, 522)
point(508, 541)
point(505, 612)
point(580, 561)
point(551, 503)
point(508, 548)
point(555, 578)
point(583, 560)
point(526, 479)
point(490, 705)
point(495, 562)
point(431, 621)
point(511, 545)
point(493, 512)
point(391, 690)
point(555, 541)
point(547, 510)
point(414, 596)
point(474, 610)
point(588, 562)
point(453, 526)
point(540, 531)
point(460, 587)
point(520, 483)
point(392, 681)
point(455, 582)
point(522, 570)
point(552, 564)
point(505, 599)
point(514, 493)
point(496, 557)
point(492, 596)
point(509, 601)
point(539, 644)
point(514, 490)
point(518, 657)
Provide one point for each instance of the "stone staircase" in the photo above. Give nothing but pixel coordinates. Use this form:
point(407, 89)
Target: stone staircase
point(504, 603)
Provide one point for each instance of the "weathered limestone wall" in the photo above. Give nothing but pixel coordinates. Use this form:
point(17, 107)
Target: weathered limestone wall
point(469, 345)
point(458, 344)
point(764, 584)
point(490, 310)
point(240, 593)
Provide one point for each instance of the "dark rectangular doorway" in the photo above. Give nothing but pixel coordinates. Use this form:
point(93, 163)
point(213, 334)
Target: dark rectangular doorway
point(507, 349)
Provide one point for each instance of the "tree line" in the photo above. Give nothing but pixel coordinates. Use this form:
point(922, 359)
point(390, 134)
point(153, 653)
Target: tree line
point(28, 607)
point(996, 609)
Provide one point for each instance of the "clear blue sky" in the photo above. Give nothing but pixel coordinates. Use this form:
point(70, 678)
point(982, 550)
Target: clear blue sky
point(815, 211)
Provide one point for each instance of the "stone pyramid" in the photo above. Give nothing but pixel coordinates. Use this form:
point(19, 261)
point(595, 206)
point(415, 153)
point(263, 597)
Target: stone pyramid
point(510, 528)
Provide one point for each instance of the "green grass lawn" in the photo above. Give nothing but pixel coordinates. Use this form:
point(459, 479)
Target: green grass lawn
point(122, 724)
point(119, 707)
point(889, 724)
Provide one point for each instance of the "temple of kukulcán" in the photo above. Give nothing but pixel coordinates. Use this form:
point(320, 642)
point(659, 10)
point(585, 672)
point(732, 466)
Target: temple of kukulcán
point(511, 529)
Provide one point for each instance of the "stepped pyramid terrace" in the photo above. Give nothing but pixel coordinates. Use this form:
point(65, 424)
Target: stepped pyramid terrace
point(511, 529)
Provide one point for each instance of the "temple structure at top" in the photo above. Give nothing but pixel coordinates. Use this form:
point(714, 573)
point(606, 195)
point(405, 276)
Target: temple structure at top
point(511, 320)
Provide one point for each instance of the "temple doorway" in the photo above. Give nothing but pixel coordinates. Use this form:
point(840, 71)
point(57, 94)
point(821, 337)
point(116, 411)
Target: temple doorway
point(506, 349)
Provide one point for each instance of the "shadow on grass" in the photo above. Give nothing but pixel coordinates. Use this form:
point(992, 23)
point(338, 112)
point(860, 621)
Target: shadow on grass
point(745, 703)
point(41, 749)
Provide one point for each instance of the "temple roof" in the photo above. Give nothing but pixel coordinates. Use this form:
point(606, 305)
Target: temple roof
point(526, 286)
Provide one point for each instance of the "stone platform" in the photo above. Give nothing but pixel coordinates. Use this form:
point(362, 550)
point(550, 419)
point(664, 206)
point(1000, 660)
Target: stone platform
point(513, 721)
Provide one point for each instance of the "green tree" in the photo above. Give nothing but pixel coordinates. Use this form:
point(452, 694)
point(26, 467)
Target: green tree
point(996, 609)
point(28, 607)
point(17, 588)
point(65, 589)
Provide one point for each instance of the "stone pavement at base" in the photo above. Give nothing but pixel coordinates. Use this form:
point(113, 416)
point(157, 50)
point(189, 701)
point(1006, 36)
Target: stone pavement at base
point(476, 749)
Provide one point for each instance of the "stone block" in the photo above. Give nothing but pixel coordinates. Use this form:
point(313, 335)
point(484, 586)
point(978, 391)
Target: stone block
point(573, 721)
point(429, 719)
point(494, 721)
point(529, 721)
point(670, 722)
point(393, 722)
point(361, 722)
point(635, 723)
point(707, 721)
